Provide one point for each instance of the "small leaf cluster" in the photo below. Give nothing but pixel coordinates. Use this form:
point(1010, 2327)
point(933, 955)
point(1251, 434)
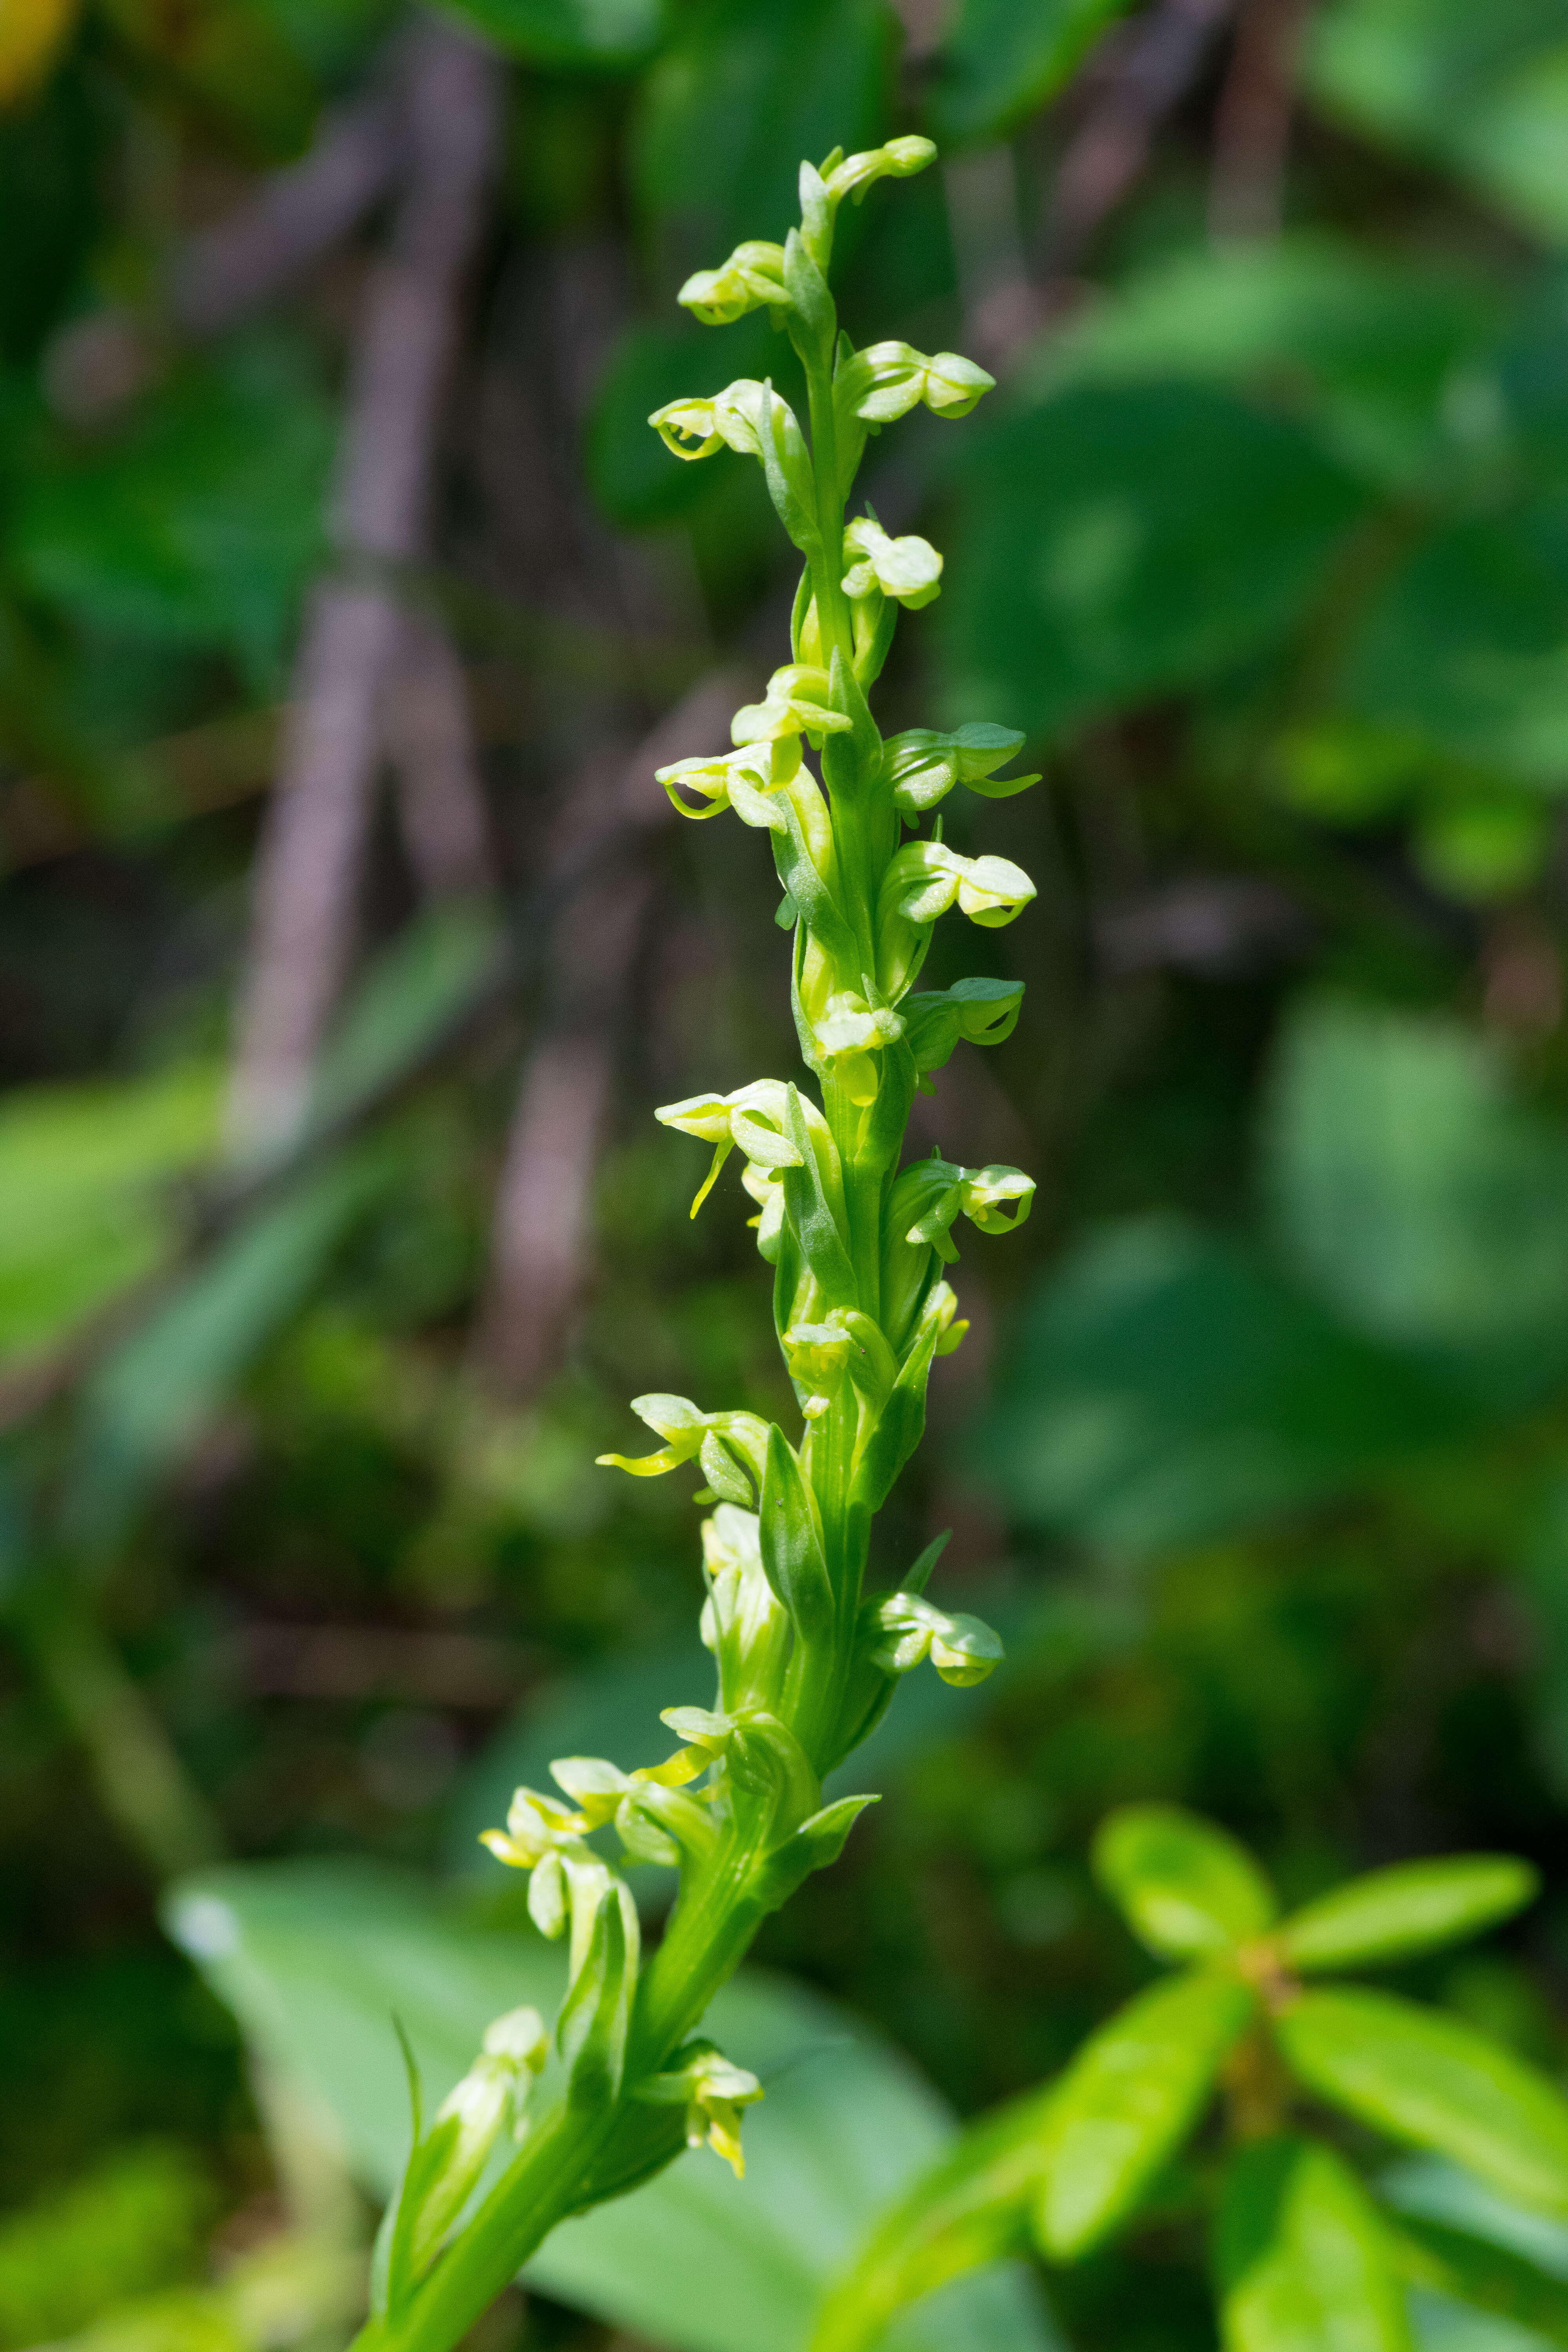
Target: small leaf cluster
point(1305, 2255)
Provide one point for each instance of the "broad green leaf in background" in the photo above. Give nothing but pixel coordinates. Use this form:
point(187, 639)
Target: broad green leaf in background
point(968, 2210)
point(147, 1400)
point(1412, 1907)
point(1426, 1205)
point(1303, 2256)
point(198, 522)
point(1480, 89)
point(566, 33)
point(1187, 1887)
point(85, 1209)
point(1440, 2260)
point(1002, 59)
point(316, 1957)
point(743, 91)
point(1430, 2080)
point(1124, 541)
point(1462, 646)
point(1126, 2102)
point(1165, 1388)
point(1363, 348)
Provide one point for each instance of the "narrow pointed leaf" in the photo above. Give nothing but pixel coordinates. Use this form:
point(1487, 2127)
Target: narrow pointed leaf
point(1127, 2102)
point(1434, 2082)
point(1185, 1886)
point(791, 1540)
point(1391, 1914)
point(969, 2209)
point(1304, 2257)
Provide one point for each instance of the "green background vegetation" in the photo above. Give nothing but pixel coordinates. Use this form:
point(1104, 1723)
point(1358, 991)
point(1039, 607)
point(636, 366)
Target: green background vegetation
point(1258, 1451)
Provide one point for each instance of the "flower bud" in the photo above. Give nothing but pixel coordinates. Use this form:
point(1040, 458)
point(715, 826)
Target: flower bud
point(713, 2093)
point(796, 702)
point(897, 158)
point(923, 766)
point(907, 1629)
point(753, 275)
point(886, 380)
point(908, 569)
point(925, 878)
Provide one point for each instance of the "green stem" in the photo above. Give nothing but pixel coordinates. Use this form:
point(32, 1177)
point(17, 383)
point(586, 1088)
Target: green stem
point(832, 604)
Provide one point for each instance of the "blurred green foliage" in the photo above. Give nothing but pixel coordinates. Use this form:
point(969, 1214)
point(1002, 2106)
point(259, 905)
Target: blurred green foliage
point(1262, 1464)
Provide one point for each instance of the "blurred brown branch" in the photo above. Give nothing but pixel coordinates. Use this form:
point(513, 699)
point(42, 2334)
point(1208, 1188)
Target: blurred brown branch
point(312, 848)
point(539, 1245)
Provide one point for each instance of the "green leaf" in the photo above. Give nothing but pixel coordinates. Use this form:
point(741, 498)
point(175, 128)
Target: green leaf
point(1363, 348)
point(746, 90)
point(969, 2209)
point(1454, 2262)
point(1002, 59)
point(570, 33)
point(1187, 1887)
point(1460, 647)
point(1419, 1199)
point(1304, 2256)
point(1123, 541)
point(147, 1399)
point(86, 1208)
point(198, 522)
point(1166, 1388)
point(1412, 1907)
point(1481, 90)
point(315, 1958)
point(1430, 2080)
point(790, 1532)
point(1127, 2102)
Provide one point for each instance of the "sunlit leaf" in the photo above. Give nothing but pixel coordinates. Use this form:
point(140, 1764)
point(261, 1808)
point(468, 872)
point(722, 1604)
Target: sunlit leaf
point(1433, 2081)
point(85, 1205)
point(1126, 2102)
point(971, 2209)
point(315, 1959)
point(1303, 2256)
point(1412, 1907)
point(1187, 1887)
